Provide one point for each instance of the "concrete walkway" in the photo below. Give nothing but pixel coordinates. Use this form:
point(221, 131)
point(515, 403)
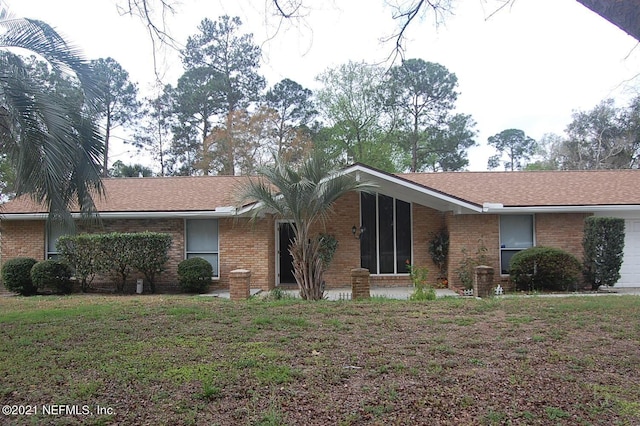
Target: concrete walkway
point(403, 293)
point(224, 293)
point(611, 291)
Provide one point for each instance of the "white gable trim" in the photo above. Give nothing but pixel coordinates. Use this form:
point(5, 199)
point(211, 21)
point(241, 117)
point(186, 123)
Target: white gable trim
point(409, 191)
point(499, 209)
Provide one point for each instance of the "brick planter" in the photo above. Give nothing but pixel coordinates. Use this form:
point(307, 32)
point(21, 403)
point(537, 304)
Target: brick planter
point(239, 284)
point(483, 281)
point(360, 288)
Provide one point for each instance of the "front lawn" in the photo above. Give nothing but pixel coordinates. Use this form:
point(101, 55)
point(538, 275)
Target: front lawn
point(180, 360)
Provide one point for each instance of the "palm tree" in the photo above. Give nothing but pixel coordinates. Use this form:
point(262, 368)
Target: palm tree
point(306, 196)
point(50, 140)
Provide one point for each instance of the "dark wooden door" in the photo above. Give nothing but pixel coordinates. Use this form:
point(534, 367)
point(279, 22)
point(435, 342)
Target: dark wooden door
point(285, 260)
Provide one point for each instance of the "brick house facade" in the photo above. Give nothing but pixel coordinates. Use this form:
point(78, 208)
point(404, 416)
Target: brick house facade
point(560, 230)
point(473, 207)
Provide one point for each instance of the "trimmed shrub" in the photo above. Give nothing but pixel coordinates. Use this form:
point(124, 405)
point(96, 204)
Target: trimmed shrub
point(603, 245)
point(16, 275)
point(116, 254)
point(116, 257)
point(195, 275)
point(52, 274)
point(81, 252)
point(151, 253)
point(544, 268)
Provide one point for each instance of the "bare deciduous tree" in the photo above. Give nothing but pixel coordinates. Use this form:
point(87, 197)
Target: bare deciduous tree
point(625, 14)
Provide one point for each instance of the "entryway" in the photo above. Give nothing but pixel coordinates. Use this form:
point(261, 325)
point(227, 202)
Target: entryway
point(284, 260)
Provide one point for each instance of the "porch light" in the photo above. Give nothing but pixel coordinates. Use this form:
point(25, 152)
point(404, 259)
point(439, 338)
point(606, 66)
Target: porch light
point(354, 230)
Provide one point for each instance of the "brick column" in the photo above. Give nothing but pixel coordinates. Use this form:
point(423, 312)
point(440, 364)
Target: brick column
point(239, 283)
point(360, 284)
point(483, 281)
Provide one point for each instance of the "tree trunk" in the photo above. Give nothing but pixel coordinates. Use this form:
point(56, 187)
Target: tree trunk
point(228, 156)
point(308, 269)
point(161, 150)
point(414, 139)
point(107, 133)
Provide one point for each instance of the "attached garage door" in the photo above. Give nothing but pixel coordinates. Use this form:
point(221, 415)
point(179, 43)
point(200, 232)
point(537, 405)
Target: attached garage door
point(630, 271)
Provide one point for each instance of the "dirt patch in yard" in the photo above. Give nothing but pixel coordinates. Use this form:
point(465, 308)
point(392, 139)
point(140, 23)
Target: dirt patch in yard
point(193, 360)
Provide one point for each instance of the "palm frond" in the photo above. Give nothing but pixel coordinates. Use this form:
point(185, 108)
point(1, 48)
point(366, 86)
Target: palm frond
point(40, 38)
point(305, 195)
point(55, 148)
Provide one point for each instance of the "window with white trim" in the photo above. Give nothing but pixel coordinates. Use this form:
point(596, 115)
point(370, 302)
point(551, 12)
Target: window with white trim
point(385, 242)
point(516, 234)
point(202, 241)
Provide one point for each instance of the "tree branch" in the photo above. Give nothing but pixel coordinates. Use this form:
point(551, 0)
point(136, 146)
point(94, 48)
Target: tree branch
point(295, 4)
point(155, 25)
point(408, 13)
point(504, 4)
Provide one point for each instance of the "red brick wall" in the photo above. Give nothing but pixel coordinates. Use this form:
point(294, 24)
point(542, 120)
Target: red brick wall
point(426, 222)
point(471, 231)
point(245, 245)
point(248, 245)
point(560, 230)
point(242, 245)
point(23, 238)
point(345, 216)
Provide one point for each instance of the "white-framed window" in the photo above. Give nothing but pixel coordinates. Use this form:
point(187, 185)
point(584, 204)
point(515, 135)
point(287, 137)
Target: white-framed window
point(201, 237)
point(385, 240)
point(54, 231)
point(516, 234)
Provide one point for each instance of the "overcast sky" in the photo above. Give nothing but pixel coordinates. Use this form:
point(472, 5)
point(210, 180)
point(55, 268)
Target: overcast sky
point(528, 67)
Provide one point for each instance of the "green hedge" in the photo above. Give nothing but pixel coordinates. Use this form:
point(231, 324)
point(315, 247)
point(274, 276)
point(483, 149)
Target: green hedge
point(52, 274)
point(16, 275)
point(82, 253)
point(116, 254)
point(152, 253)
point(603, 245)
point(544, 268)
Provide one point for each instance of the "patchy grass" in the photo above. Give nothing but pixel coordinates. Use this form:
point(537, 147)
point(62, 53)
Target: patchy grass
point(193, 360)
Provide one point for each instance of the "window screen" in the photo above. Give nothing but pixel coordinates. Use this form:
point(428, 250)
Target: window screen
point(202, 241)
point(54, 231)
point(516, 231)
point(516, 234)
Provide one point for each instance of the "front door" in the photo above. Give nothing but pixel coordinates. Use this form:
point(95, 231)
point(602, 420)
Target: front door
point(285, 260)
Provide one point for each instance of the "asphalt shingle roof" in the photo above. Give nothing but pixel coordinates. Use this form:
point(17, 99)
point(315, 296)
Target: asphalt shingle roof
point(157, 194)
point(536, 188)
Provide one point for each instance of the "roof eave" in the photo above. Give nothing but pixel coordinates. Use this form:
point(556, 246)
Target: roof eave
point(494, 208)
point(217, 213)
